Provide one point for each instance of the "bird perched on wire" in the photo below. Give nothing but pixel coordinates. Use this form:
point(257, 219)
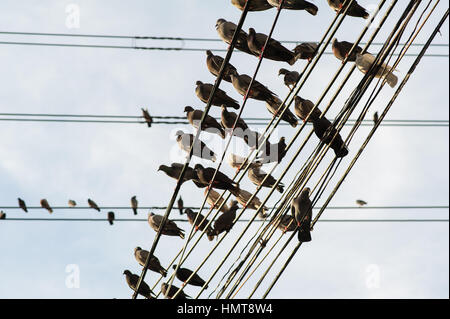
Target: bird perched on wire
point(185, 141)
point(258, 91)
point(296, 5)
point(46, 205)
point(301, 210)
point(326, 132)
point(72, 203)
point(224, 222)
point(287, 223)
point(169, 293)
point(200, 223)
point(134, 204)
point(226, 30)
point(22, 204)
point(215, 200)
point(257, 176)
point(148, 119)
point(214, 64)
point(228, 119)
point(274, 107)
point(365, 61)
point(255, 141)
point(306, 51)
point(342, 49)
point(361, 203)
point(183, 274)
point(203, 92)
point(2, 215)
point(132, 281)
point(210, 124)
point(254, 204)
point(174, 171)
point(376, 118)
point(355, 9)
point(170, 228)
point(93, 205)
point(180, 204)
point(111, 218)
point(274, 50)
point(236, 161)
point(221, 181)
point(273, 152)
point(290, 77)
point(254, 5)
point(304, 107)
point(141, 256)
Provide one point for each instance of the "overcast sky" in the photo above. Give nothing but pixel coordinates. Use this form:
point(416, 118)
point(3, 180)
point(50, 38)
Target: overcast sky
point(110, 162)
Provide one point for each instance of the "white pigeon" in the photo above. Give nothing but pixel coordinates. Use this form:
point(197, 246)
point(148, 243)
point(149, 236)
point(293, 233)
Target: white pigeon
point(365, 61)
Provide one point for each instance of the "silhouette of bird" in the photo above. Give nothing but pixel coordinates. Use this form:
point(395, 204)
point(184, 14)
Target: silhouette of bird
point(22, 204)
point(301, 210)
point(183, 274)
point(170, 228)
point(134, 204)
point(45, 204)
point(274, 49)
point(93, 205)
point(141, 256)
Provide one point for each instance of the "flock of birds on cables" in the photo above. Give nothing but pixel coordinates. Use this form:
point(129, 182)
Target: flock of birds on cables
point(203, 177)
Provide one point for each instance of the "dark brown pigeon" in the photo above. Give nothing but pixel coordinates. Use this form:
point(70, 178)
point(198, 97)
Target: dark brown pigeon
point(170, 228)
point(93, 205)
point(200, 224)
point(274, 108)
point(361, 202)
point(287, 224)
point(183, 274)
point(376, 118)
point(229, 118)
point(22, 204)
point(185, 141)
point(301, 210)
point(180, 204)
point(148, 119)
point(168, 294)
point(214, 63)
point(355, 9)
point(2, 215)
point(134, 205)
point(111, 218)
point(342, 49)
point(273, 152)
point(291, 78)
point(254, 5)
point(296, 5)
point(303, 108)
point(224, 222)
point(326, 132)
point(221, 181)
point(154, 264)
point(203, 92)
point(258, 91)
point(132, 281)
point(274, 50)
point(305, 51)
point(210, 124)
point(226, 30)
point(46, 205)
point(174, 171)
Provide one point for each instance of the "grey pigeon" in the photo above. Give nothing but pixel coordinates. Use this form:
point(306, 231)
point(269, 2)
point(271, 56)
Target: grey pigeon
point(134, 205)
point(168, 294)
point(214, 64)
point(258, 91)
point(364, 63)
point(226, 30)
point(326, 133)
point(183, 274)
point(224, 222)
point(203, 92)
point(287, 224)
point(228, 119)
point(180, 204)
point(273, 152)
point(132, 281)
point(46, 205)
point(355, 9)
point(274, 108)
point(111, 218)
point(376, 118)
point(93, 205)
point(306, 51)
point(148, 119)
point(303, 108)
point(254, 204)
point(22, 204)
point(254, 5)
point(361, 203)
point(2, 215)
point(221, 181)
point(170, 228)
point(154, 264)
point(274, 50)
point(296, 5)
point(291, 78)
point(200, 223)
point(257, 176)
point(72, 203)
point(185, 141)
point(301, 210)
point(342, 49)
point(215, 200)
point(210, 124)
point(174, 171)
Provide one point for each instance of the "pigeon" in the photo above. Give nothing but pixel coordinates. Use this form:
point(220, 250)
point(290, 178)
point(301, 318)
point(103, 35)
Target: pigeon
point(148, 119)
point(111, 218)
point(2, 215)
point(132, 281)
point(180, 204)
point(326, 132)
point(274, 108)
point(355, 9)
point(361, 203)
point(301, 210)
point(274, 50)
point(224, 222)
point(168, 294)
point(257, 175)
point(303, 108)
point(342, 49)
point(45, 204)
point(174, 171)
point(221, 181)
point(72, 203)
point(185, 141)
point(291, 78)
point(134, 204)
point(236, 162)
point(255, 204)
point(22, 204)
point(258, 91)
point(214, 64)
point(203, 92)
point(296, 5)
point(210, 124)
point(287, 224)
point(214, 201)
point(226, 30)
point(376, 118)
point(93, 205)
point(200, 224)
point(306, 51)
point(254, 5)
point(154, 264)
point(183, 274)
point(273, 152)
point(228, 119)
point(365, 61)
point(170, 228)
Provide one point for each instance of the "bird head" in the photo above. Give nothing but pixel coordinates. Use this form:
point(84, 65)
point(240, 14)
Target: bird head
point(126, 272)
point(209, 53)
point(305, 193)
point(137, 249)
point(179, 133)
point(188, 211)
point(199, 83)
point(283, 140)
point(198, 167)
point(334, 42)
point(188, 109)
point(162, 168)
point(220, 22)
point(251, 32)
point(282, 71)
point(174, 267)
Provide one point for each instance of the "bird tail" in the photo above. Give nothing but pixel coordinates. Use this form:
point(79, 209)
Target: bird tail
point(111, 222)
point(312, 9)
point(213, 158)
point(293, 60)
point(392, 79)
point(135, 211)
point(236, 191)
point(181, 234)
point(304, 235)
point(280, 188)
point(163, 272)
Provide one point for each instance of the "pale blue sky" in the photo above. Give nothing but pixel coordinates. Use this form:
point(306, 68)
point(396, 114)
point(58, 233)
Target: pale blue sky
point(110, 163)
